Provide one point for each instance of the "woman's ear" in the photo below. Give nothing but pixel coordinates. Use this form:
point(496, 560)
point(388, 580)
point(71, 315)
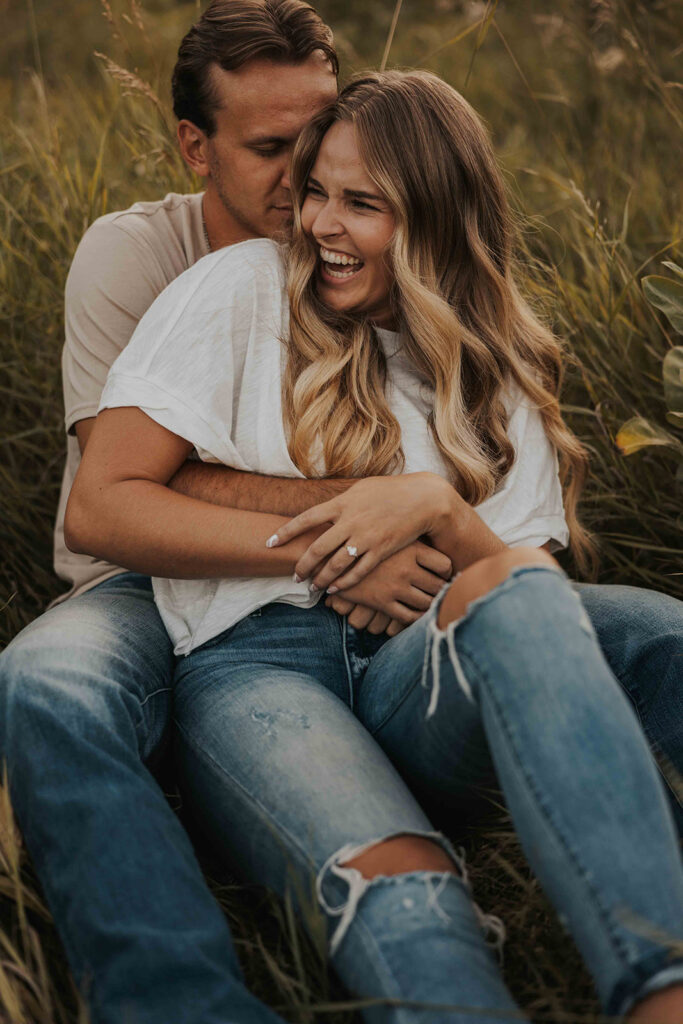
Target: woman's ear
point(193, 143)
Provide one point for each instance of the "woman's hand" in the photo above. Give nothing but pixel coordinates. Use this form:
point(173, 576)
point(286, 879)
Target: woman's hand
point(374, 519)
point(401, 589)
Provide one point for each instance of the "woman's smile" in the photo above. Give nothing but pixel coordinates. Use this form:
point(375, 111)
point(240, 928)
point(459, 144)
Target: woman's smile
point(338, 267)
point(351, 225)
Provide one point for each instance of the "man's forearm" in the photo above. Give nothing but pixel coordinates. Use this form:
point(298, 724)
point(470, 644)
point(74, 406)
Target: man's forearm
point(252, 492)
point(287, 496)
point(143, 526)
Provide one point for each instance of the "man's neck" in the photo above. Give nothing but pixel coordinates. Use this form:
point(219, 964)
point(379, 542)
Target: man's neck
point(221, 229)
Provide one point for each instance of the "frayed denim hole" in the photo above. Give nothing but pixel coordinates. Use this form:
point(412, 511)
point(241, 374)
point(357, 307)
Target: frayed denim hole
point(358, 885)
point(435, 634)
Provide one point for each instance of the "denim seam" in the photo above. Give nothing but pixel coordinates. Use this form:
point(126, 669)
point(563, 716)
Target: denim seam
point(163, 689)
point(349, 675)
point(432, 612)
point(369, 942)
point(390, 714)
point(140, 725)
point(603, 911)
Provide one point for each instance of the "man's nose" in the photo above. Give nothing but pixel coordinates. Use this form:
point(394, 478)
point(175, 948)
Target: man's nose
point(285, 180)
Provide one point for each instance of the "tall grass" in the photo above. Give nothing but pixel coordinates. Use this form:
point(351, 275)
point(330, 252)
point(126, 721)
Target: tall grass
point(586, 114)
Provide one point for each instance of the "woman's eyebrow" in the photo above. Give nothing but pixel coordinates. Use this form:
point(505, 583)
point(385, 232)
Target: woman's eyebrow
point(352, 193)
point(358, 194)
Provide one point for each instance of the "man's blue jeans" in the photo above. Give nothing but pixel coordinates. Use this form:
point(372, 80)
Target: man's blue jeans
point(302, 743)
point(641, 635)
point(84, 710)
point(85, 700)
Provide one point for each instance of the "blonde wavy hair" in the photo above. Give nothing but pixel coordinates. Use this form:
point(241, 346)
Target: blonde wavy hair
point(466, 327)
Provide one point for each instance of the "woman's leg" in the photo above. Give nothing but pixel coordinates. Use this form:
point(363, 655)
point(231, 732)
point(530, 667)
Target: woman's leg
point(510, 669)
point(292, 789)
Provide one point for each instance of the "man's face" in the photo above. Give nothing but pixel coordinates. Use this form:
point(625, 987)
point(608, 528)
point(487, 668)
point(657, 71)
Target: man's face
point(263, 108)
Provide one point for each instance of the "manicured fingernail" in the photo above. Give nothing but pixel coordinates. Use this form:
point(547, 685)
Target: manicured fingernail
point(297, 578)
point(332, 590)
point(313, 588)
point(272, 541)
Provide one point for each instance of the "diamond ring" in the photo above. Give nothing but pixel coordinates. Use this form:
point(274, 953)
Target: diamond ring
point(353, 551)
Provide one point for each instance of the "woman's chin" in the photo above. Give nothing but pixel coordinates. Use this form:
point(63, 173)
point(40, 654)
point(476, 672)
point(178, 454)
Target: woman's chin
point(334, 299)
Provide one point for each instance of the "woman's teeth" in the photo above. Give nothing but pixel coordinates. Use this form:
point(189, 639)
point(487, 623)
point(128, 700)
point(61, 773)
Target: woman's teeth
point(328, 257)
point(340, 273)
point(338, 257)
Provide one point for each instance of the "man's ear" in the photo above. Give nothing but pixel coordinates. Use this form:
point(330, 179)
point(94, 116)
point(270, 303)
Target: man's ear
point(193, 144)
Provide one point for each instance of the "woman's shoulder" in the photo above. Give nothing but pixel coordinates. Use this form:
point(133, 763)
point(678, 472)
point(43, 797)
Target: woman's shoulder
point(514, 397)
point(261, 253)
point(257, 261)
point(228, 278)
point(228, 297)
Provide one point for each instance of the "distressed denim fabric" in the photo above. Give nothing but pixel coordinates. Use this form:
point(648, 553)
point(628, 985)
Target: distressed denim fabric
point(301, 742)
point(84, 702)
point(84, 708)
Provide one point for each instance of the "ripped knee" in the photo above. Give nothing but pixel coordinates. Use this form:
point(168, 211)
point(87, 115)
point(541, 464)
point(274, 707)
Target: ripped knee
point(483, 576)
point(426, 866)
point(401, 854)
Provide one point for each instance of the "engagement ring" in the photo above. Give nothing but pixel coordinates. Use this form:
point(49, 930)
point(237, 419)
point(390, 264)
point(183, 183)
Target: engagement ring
point(352, 550)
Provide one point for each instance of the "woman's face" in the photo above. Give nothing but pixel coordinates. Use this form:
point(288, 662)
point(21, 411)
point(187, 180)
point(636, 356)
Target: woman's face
point(351, 225)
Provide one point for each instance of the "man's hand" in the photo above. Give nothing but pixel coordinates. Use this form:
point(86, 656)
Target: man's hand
point(400, 589)
point(360, 617)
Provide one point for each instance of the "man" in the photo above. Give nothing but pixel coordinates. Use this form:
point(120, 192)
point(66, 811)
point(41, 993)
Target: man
point(85, 690)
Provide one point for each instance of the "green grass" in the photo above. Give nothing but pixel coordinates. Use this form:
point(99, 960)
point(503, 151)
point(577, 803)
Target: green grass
point(586, 115)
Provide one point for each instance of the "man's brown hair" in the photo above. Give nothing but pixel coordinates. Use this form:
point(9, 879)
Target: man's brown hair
point(232, 32)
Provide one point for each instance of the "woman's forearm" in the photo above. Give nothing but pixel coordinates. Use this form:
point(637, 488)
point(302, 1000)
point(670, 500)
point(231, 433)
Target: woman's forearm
point(144, 526)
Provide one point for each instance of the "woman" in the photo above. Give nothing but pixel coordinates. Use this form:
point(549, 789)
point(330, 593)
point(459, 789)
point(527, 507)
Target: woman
point(410, 360)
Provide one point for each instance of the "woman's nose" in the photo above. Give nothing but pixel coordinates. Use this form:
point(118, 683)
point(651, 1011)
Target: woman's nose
point(327, 223)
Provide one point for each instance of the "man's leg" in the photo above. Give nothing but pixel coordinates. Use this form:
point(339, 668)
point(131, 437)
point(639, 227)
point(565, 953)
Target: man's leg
point(641, 635)
point(84, 703)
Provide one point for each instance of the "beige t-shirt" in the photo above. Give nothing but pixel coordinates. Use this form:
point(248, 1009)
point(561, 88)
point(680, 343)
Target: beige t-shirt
point(124, 261)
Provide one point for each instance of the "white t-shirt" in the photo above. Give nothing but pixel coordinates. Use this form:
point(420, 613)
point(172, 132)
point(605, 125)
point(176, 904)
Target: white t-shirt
point(206, 362)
